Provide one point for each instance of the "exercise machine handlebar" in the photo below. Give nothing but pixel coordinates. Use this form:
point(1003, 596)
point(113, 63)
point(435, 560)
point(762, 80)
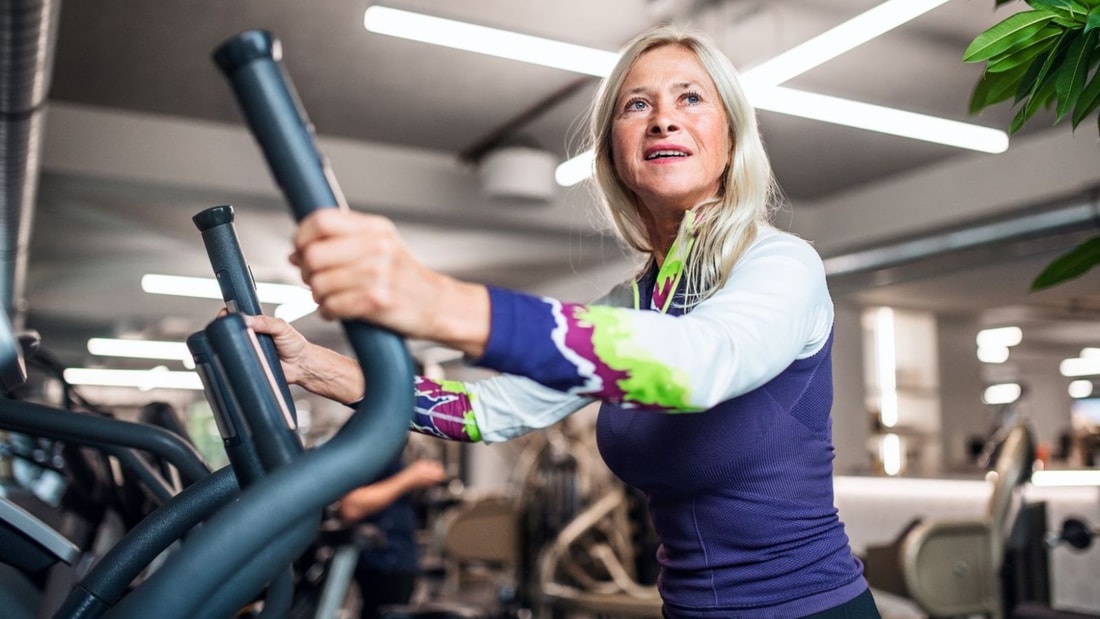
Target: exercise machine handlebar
point(238, 287)
point(251, 62)
point(224, 550)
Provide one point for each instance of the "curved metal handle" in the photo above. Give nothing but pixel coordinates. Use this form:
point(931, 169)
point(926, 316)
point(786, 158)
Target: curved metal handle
point(274, 113)
point(222, 550)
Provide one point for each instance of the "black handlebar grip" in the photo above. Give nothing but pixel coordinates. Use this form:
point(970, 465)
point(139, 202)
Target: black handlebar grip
point(278, 121)
point(237, 285)
point(230, 268)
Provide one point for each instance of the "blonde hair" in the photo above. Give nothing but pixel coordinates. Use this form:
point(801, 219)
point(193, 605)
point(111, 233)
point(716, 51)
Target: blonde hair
point(725, 225)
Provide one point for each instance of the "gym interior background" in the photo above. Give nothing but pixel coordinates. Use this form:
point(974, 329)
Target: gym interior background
point(129, 131)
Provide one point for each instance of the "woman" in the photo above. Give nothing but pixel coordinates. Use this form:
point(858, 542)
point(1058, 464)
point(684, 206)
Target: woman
point(725, 337)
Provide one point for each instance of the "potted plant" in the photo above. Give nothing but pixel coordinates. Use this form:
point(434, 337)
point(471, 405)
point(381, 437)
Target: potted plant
point(1044, 57)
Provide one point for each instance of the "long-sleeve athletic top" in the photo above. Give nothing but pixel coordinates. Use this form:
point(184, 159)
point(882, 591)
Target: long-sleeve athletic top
point(720, 415)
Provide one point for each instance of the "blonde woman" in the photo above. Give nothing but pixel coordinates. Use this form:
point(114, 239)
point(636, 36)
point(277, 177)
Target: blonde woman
point(712, 365)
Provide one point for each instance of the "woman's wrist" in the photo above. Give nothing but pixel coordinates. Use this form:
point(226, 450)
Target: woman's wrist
point(464, 325)
point(329, 374)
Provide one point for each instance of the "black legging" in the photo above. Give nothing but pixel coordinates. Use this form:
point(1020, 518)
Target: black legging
point(860, 607)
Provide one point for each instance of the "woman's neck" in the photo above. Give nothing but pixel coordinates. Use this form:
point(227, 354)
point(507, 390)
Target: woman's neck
point(662, 232)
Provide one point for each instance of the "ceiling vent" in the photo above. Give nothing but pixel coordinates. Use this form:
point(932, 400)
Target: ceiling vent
point(519, 173)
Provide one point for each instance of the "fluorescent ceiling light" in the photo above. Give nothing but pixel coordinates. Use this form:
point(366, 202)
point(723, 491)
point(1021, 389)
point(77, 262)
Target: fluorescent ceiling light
point(293, 311)
point(157, 378)
point(760, 81)
point(1004, 393)
point(1067, 477)
point(992, 353)
point(141, 349)
point(999, 336)
point(886, 364)
point(499, 43)
point(1080, 389)
point(1071, 368)
point(890, 453)
point(297, 300)
point(575, 170)
point(836, 41)
point(881, 119)
point(200, 287)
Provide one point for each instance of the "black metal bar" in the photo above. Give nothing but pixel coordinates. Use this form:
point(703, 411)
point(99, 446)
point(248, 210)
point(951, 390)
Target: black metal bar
point(107, 581)
point(39, 420)
point(237, 284)
point(239, 357)
point(236, 437)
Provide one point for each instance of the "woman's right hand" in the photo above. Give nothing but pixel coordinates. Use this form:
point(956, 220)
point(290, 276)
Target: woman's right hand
point(317, 369)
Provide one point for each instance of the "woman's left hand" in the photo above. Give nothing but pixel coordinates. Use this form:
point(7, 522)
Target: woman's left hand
point(358, 267)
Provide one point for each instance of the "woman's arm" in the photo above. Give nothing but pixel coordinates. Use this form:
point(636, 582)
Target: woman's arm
point(491, 410)
point(775, 308)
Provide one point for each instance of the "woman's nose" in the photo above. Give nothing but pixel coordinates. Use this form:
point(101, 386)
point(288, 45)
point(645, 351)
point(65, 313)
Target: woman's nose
point(662, 123)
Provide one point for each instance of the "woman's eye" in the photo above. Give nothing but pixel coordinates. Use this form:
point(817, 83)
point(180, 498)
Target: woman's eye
point(692, 97)
point(635, 105)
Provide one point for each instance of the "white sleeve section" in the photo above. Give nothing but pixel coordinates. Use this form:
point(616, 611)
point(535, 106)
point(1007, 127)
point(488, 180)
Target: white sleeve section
point(508, 406)
point(775, 308)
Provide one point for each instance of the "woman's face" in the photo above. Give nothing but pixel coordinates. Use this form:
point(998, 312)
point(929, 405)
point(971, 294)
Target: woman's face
point(670, 136)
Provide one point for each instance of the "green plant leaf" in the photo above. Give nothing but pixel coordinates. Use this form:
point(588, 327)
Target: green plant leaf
point(1040, 74)
point(1041, 96)
point(1074, 263)
point(1062, 8)
point(1006, 35)
point(1093, 20)
point(1088, 101)
point(1073, 72)
point(1027, 80)
point(1041, 42)
point(993, 88)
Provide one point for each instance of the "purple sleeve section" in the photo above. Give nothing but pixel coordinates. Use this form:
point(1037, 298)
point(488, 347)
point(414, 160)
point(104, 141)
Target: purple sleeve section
point(521, 342)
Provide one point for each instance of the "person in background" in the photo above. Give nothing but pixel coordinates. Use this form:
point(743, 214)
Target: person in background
point(387, 571)
point(712, 364)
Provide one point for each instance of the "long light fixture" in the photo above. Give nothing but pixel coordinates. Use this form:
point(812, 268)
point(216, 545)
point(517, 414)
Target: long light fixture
point(993, 344)
point(1066, 477)
point(761, 82)
point(141, 349)
point(156, 378)
point(293, 301)
point(886, 360)
point(879, 119)
point(835, 41)
point(1002, 393)
point(1078, 366)
point(490, 41)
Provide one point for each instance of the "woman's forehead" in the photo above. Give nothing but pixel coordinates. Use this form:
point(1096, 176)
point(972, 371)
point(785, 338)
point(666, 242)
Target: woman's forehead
point(672, 65)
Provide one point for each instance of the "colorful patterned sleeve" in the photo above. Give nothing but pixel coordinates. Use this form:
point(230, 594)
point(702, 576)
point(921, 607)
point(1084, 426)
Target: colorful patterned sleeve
point(774, 308)
point(445, 409)
point(491, 410)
